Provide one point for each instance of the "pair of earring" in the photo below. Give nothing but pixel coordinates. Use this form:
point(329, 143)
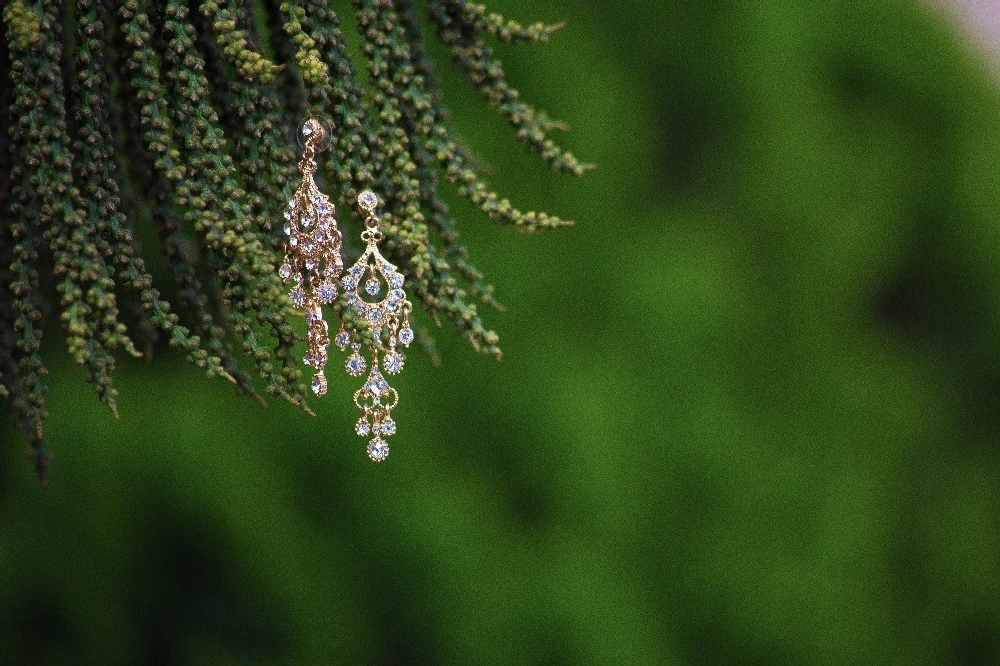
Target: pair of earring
point(373, 289)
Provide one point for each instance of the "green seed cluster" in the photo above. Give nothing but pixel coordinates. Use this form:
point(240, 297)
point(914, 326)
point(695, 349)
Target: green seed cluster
point(462, 31)
point(234, 43)
point(511, 32)
point(169, 115)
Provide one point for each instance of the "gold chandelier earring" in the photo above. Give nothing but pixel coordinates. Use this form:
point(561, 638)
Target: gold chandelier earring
point(312, 252)
point(381, 303)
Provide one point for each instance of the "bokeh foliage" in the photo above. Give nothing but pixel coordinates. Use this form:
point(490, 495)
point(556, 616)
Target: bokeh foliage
point(747, 412)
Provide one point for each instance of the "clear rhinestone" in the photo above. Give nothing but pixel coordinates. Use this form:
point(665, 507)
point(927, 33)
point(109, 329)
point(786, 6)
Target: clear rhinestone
point(306, 221)
point(359, 307)
point(343, 339)
point(378, 450)
point(392, 307)
point(393, 363)
point(388, 427)
point(372, 286)
point(311, 265)
point(406, 335)
point(313, 315)
point(319, 384)
point(396, 295)
point(362, 427)
point(396, 281)
point(297, 278)
point(373, 386)
point(293, 241)
point(350, 284)
point(288, 216)
point(368, 200)
point(355, 364)
point(377, 333)
point(307, 129)
point(288, 230)
point(324, 209)
point(326, 292)
point(374, 315)
point(320, 237)
point(356, 271)
point(285, 271)
point(298, 297)
point(308, 359)
point(309, 247)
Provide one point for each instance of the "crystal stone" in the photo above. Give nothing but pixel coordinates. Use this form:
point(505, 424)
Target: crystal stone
point(367, 200)
point(288, 215)
point(396, 295)
point(356, 271)
point(350, 283)
point(285, 271)
point(309, 247)
point(311, 265)
point(378, 450)
point(298, 297)
point(362, 427)
point(406, 335)
point(320, 237)
point(393, 363)
point(343, 339)
point(388, 427)
point(326, 292)
point(396, 281)
point(319, 384)
point(355, 364)
point(288, 230)
point(375, 315)
point(372, 286)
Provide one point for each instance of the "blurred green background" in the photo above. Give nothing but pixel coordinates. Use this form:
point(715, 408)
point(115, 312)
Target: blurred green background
point(749, 411)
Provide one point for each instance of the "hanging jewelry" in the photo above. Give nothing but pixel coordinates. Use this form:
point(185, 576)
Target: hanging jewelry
point(389, 321)
point(312, 252)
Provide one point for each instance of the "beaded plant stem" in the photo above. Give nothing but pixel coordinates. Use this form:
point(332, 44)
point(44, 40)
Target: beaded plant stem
point(388, 318)
point(312, 253)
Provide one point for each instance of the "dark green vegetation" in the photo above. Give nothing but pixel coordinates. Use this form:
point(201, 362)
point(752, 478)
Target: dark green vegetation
point(173, 101)
point(747, 413)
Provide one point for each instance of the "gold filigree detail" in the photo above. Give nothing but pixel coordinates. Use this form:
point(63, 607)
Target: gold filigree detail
point(312, 253)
